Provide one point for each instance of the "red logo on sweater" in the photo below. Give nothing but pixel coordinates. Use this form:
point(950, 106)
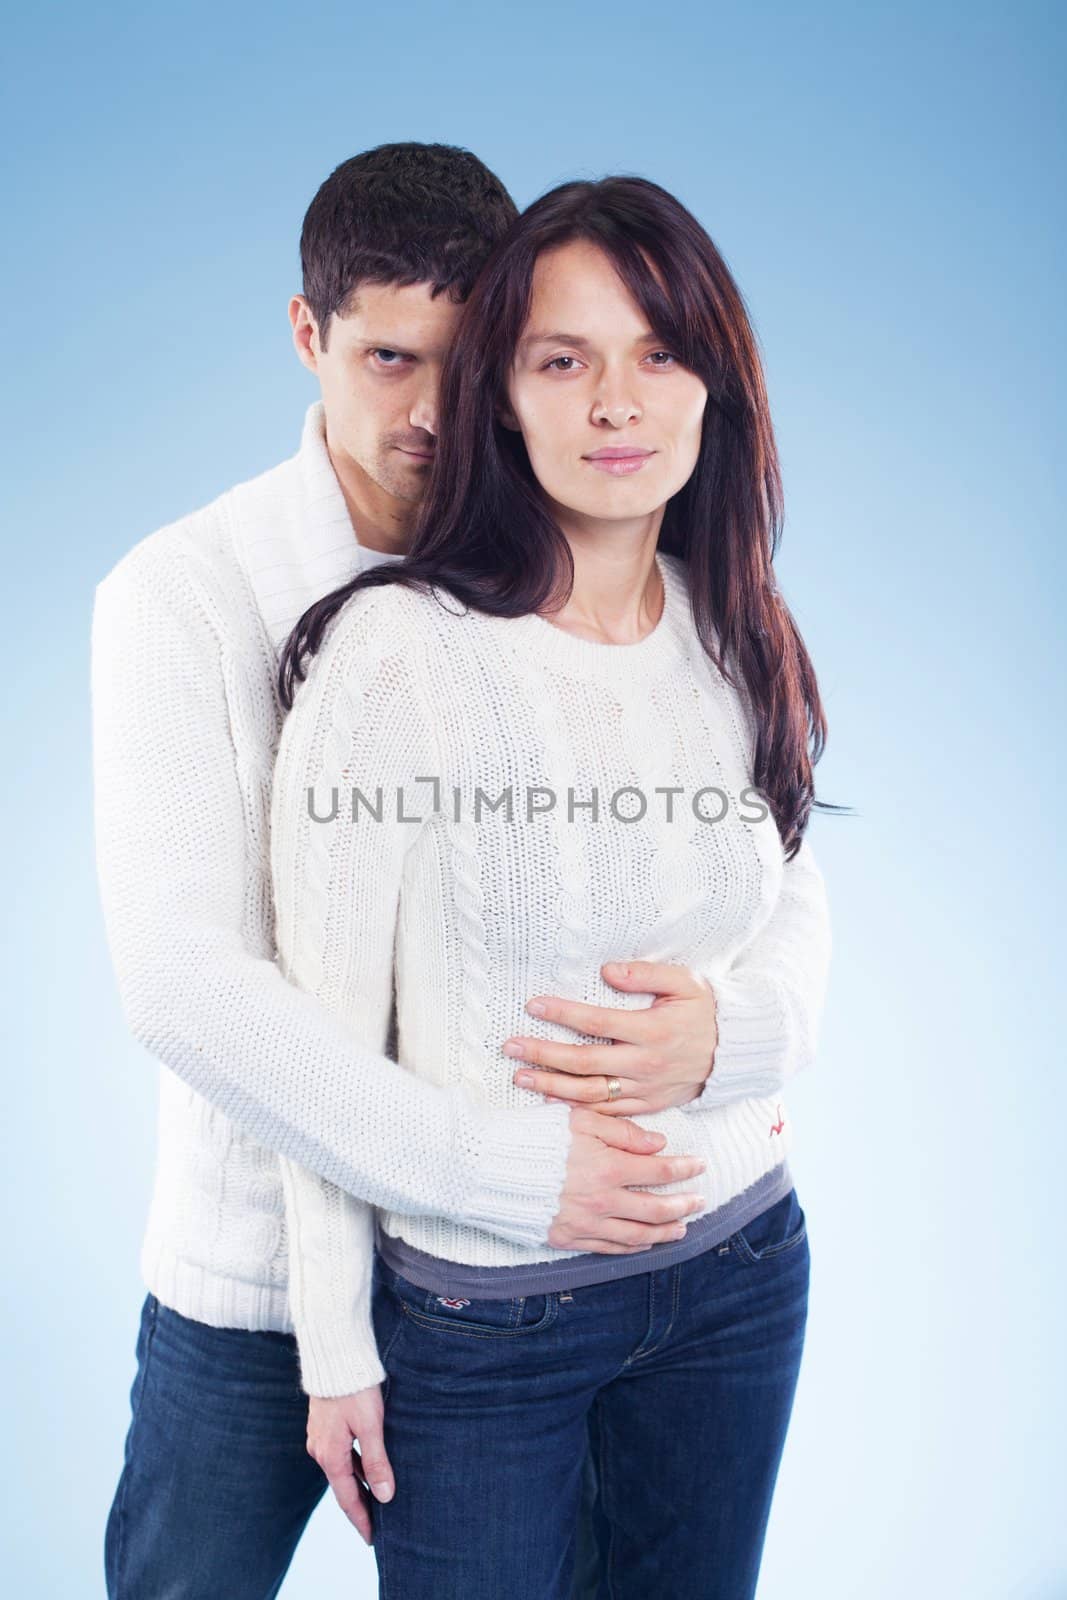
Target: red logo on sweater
point(776, 1127)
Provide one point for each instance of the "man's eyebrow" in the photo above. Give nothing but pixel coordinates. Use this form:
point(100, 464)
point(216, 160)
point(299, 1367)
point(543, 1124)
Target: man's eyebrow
point(387, 344)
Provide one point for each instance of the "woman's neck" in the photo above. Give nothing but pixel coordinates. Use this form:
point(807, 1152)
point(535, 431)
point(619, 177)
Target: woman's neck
point(617, 597)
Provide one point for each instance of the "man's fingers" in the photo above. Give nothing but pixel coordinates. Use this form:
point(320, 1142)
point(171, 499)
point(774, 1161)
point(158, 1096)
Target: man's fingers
point(602, 1208)
point(632, 1023)
point(579, 1091)
point(655, 1169)
point(581, 1060)
point(642, 1220)
point(652, 977)
point(562, 1088)
point(617, 1235)
point(619, 1132)
point(628, 1106)
point(655, 1210)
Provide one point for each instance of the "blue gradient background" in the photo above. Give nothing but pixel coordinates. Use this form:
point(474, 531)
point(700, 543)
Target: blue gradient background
point(886, 183)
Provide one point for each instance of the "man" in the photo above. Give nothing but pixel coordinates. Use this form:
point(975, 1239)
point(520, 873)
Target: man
point(218, 1485)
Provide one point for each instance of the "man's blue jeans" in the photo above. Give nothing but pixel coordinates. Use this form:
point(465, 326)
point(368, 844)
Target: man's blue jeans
point(217, 1485)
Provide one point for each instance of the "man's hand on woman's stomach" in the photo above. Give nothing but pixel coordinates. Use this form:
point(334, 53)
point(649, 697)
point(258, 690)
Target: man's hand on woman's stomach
point(598, 1210)
point(660, 1055)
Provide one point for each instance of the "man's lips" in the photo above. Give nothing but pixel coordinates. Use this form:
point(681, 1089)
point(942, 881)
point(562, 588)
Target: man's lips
point(619, 460)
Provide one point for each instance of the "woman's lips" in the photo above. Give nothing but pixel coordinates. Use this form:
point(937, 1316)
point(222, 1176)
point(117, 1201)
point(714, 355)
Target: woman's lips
point(621, 463)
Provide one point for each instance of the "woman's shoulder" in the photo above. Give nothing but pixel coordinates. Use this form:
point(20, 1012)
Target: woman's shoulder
point(675, 570)
point(375, 637)
point(384, 618)
point(680, 595)
point(677, 566)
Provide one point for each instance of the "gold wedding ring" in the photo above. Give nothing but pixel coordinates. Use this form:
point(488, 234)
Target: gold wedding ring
point(614, 1088)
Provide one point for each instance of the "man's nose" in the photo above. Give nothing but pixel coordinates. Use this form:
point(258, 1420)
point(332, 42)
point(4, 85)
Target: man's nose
point(423, 413)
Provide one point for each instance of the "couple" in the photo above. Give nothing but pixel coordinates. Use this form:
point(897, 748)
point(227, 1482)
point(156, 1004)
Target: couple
point(475, 1008)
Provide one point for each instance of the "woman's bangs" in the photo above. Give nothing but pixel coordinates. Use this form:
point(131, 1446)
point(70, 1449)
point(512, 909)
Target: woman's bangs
point(646, 274)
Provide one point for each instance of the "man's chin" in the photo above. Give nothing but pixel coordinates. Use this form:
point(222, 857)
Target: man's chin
point(409, 483)
point(411, 492)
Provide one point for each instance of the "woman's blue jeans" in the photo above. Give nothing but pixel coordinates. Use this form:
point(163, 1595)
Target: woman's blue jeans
point(683, 1378)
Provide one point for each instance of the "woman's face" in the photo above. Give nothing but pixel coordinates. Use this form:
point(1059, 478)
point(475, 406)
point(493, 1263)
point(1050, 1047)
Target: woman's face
point(610, 418)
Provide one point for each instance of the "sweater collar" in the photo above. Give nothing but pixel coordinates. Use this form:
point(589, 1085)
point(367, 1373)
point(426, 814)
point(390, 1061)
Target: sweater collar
point(294, 535)
point(612, 664)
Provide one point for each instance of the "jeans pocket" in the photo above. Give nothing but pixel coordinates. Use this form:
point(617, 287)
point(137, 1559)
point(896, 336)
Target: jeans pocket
point(783, 1226)
point(478, 1317)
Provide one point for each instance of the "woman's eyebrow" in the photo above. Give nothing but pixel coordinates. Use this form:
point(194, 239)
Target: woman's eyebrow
point(572, 338)
point(552, 338)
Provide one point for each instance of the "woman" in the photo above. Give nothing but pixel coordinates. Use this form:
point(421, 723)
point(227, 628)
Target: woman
point(575, 719)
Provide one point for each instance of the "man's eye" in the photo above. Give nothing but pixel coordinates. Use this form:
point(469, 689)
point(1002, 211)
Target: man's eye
point(388, 358)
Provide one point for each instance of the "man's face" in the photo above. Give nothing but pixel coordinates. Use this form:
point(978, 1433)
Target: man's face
point(380, 375)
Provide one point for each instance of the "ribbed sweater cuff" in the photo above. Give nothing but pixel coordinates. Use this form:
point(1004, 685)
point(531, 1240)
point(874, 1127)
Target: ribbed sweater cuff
point(339, 1358)
point(518, 1165)
point(754, 1042)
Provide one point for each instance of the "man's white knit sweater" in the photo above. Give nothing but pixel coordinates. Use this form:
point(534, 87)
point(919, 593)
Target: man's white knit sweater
point(187, 628)
point(480, 809)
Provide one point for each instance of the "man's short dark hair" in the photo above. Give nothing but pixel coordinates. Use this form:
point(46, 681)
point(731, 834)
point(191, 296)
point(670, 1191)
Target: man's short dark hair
point(401, 214)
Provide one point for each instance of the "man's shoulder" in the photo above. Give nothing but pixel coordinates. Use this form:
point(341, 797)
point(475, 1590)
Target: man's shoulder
point(167, 548)
point(196, 552)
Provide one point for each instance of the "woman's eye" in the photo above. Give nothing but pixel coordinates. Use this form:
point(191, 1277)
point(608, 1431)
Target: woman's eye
point(654, 358)
point(554, 360)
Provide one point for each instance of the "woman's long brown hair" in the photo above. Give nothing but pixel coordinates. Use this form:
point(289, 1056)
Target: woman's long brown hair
point(484, 532)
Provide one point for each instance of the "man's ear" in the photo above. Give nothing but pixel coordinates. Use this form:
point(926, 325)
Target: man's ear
point(305, 333)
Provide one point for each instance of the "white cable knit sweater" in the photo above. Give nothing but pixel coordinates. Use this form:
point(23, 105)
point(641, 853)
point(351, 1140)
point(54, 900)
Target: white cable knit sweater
point(413, 707)
point(186, 633)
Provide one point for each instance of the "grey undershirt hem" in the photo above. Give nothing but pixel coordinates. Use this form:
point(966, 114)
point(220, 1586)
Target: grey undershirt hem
point(457, 1278)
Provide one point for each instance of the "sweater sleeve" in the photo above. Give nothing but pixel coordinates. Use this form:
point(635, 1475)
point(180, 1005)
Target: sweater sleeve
point(184, 872)
point(357, 729)
point(769, 1002)
point(331, 1258)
